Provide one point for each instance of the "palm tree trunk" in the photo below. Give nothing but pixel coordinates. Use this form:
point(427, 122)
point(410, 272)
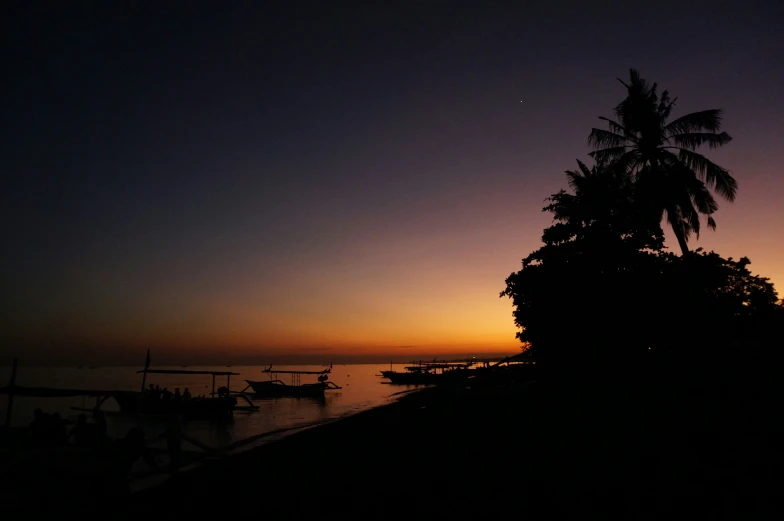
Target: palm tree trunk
point(676, 224)
point(681, 239)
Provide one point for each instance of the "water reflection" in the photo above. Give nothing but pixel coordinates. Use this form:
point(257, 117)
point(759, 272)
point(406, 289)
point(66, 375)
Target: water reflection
point(362, 389)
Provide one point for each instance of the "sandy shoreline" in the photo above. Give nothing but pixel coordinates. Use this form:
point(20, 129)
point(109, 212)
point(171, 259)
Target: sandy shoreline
point(238, 448)
point(539, 449)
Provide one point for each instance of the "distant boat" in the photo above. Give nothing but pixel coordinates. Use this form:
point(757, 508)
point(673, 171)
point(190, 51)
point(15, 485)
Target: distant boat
point(428, 373)
point(275, 388)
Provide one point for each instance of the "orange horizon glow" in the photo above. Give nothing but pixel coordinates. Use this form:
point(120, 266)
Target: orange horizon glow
point(374, 301)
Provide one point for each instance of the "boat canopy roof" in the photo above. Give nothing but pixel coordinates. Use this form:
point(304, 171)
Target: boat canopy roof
point(183, 371)
point(271, 370)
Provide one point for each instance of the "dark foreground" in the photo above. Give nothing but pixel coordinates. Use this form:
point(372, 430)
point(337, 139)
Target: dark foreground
point(640, 450)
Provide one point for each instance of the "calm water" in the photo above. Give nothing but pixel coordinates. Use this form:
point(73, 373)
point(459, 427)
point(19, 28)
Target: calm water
point(363, 388)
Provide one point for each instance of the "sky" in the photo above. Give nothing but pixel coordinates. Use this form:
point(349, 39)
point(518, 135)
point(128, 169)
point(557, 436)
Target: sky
point(331, 181)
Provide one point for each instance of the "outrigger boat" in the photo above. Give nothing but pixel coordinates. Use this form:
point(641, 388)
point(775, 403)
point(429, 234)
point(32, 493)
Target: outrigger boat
point(217, 406)
point(276, 388)
point(521, 367)
point(428, 373)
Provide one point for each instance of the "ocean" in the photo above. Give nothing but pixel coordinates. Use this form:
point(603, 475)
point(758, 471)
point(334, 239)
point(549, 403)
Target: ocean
point(362, 388)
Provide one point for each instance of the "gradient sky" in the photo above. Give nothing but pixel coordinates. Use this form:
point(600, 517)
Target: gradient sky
point(333, 181)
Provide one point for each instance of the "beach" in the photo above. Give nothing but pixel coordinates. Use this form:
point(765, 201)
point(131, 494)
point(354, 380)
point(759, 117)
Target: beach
point(640, 449)
point(542, 449)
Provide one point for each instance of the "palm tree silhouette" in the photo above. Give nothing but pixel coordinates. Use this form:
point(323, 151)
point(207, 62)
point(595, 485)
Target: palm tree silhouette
point(671, 178)
point(599, 194)
point(601, 209)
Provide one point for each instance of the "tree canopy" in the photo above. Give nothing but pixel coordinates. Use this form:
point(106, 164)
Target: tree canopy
point(603, 289)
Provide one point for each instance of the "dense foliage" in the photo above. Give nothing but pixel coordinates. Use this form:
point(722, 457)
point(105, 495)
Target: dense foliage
point(603, 290)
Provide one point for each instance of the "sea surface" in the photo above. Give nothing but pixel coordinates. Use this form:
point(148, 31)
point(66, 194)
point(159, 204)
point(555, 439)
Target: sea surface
point(362, 388)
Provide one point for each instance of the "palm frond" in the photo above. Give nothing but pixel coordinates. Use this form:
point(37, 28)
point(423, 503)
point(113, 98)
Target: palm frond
point(694, 140)
point(634, 76)
point(577, 179)
point(715, 176)
point(574, 179)
point(620, 129)
point(711, 223)
point(627, 162)
point(666, 105)
point(709, 120)
point(636, 81)
point(639, 106)
point(700, 195)
point(608, 155)
point(584, 169)
point(693, 218)
point(668, 159)
point(680, 179)
point(599, 138)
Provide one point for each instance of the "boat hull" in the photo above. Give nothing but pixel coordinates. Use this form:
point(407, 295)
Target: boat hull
point(425, 377)
point(277, 389)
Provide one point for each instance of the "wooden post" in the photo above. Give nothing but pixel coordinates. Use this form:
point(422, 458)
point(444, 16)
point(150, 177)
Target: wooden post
point(11, 395)
point(146, 367)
